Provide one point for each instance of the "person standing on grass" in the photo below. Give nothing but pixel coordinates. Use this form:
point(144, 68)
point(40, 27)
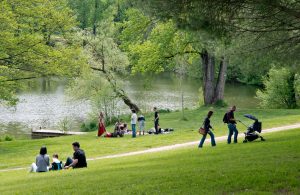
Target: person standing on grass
point(42, 161)
point(232, 125)
point(133, 123)
point(156, 120)
point(101, 125)
point(79, 159)
point(208, 127)
point(141, 121)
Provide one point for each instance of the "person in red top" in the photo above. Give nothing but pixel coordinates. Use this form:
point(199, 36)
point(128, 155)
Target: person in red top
point(101, 126)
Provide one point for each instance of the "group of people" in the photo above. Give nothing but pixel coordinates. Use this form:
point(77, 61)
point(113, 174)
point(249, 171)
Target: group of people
point(121, 127)
point(42, 162)
point(141, 121)
point(228, 119)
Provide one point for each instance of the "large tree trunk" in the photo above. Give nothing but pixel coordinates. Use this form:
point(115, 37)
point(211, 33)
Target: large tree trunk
point(213, 92)
point(220, 85)
point(208, 71)
point(121, 93)
point(291, 100)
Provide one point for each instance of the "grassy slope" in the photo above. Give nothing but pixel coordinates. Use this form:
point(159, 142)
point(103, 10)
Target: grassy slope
point(22, 152)
point(253, 168)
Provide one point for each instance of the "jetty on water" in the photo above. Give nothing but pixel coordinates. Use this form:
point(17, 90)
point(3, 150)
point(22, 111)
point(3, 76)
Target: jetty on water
point(46, 133)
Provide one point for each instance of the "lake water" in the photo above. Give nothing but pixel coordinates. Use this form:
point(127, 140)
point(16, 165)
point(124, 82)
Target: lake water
point(45, 104)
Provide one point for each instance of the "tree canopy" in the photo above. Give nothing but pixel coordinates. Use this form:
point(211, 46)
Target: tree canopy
point(36, 41)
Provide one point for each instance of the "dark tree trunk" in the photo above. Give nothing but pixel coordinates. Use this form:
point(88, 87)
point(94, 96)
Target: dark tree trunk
point(213, 92)
point(208, 71)
point(291, 100)
point(95, 18)
point(119, 92)
point(220, 85)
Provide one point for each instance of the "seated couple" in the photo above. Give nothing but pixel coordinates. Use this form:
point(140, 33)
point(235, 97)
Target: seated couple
point(120, 130)
point(42, 163)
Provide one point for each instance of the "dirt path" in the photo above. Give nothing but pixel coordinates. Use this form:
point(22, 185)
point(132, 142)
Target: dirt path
point(173, 147)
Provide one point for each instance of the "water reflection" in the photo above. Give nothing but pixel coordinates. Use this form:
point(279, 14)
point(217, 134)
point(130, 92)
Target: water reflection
point(43, 102)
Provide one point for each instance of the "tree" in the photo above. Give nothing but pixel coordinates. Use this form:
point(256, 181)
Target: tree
point(104, 55)
point(33, 47)
point(270, 26)
point(279, 89)
point(153, 47)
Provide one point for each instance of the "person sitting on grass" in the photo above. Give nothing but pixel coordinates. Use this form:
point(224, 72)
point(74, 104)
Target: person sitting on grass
point(56, 164)
point(79, 159)
point(42, 161)
point(208, 127)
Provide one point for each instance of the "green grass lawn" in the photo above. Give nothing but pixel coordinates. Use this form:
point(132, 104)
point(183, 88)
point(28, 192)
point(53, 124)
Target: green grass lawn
point(270, 167)
point(21, 153)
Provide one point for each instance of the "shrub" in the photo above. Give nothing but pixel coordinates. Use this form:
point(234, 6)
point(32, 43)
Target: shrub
point(221, 103)
point(164, 110)
point(6, 138)
point(279, 89)
point(89, 126)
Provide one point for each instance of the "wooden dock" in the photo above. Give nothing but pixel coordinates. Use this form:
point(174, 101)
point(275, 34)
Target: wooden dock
point(46, 133)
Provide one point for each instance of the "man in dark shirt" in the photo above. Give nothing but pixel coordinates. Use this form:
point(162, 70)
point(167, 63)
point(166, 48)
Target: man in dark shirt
point(156, 120)
point(232, 125)
point(79, 159)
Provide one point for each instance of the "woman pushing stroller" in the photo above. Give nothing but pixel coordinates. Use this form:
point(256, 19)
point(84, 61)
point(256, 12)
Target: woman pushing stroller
point(207, 127)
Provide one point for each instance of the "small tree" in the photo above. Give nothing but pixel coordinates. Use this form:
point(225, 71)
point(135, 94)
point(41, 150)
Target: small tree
point(279, 91)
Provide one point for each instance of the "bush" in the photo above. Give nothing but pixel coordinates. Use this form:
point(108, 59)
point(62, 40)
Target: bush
point(165, 110)
point(89, 126)
point(221, 103)
point(6, 138)
point(279, 89)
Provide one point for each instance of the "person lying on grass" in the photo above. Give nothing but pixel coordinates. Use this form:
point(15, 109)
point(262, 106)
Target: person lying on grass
point(79, 159)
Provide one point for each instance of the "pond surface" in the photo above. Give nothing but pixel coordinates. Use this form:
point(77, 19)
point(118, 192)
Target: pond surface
point(45, 104)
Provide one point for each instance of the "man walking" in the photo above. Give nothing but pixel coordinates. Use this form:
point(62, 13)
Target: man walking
point(232, 125)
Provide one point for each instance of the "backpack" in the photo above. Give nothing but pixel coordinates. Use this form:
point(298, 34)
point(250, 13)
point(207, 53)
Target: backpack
point(56, 166)
point(225, 118)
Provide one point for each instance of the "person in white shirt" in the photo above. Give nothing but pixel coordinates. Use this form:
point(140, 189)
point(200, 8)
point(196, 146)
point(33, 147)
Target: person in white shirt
point(133, 123)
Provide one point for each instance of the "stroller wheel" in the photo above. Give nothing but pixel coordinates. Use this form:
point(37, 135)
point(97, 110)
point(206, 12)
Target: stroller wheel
point(245, 141)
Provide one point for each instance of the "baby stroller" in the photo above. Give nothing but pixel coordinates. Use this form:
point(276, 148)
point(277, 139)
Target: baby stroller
point(253, 130)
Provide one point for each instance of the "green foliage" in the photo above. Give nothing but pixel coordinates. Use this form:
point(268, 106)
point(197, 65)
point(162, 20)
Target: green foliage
point(32, 46)
point(279, 90)
point(89, 126)
point(165, 110)
point(200, 97)
point(221, 103)
point(89, 12)
point(6, 138)
point(66, 124)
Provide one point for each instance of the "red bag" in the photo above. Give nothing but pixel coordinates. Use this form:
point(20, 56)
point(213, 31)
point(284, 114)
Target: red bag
point(202, 131)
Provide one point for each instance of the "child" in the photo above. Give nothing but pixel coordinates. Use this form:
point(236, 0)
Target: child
point(141, 121)
point(56, 164)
